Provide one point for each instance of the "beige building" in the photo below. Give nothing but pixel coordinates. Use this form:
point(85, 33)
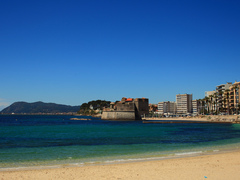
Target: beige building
point(232, 99)
point(184, 103)
point(210, 93)
point(167, 107)
point(196, 107)
point(220, 94)
point(161, 108)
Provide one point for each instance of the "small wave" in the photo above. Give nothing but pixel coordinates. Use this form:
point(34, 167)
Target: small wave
point(133, 160)
point(188, 153)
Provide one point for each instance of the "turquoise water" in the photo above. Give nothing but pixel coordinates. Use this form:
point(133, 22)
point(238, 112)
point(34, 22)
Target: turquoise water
point(56, 140)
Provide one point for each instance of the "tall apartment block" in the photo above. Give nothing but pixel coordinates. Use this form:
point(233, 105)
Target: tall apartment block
point(184, 103)
point(196, 107)
point(220, 91)
point(161, 108)
point(167, 107)
point(234, 98)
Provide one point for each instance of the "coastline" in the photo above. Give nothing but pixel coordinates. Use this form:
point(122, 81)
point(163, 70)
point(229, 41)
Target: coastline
point(136, 166)
point(202, 118)
point(223, 165)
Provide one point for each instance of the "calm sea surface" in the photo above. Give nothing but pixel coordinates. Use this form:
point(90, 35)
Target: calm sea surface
point(56, 140)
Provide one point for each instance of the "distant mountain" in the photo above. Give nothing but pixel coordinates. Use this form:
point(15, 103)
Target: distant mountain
point(38, 107)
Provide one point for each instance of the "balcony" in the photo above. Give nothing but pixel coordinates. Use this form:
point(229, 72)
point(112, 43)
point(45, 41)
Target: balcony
point(231, 97)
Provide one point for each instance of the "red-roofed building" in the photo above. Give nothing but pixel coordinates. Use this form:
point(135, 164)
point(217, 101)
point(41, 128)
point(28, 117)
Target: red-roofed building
point(127, 109)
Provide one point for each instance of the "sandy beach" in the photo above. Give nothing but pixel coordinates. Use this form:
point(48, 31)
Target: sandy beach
point(200, 118)
point(219, 166)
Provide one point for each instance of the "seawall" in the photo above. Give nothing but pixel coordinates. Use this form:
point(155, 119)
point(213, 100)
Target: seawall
point(118, 115)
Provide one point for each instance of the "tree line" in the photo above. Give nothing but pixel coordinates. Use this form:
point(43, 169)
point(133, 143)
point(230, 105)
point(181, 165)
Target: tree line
point(93, 107)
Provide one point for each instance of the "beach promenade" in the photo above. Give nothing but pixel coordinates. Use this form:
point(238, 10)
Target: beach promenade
point(201, 118)
point(220, 166)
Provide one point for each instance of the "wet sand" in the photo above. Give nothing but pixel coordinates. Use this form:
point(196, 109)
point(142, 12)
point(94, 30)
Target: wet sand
point(219, 166)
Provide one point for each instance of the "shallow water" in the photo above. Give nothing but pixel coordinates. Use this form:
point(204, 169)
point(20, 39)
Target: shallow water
point(56, 140)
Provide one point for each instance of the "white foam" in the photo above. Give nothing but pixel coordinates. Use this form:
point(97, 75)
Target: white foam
point(132, 160)
point(188, 153)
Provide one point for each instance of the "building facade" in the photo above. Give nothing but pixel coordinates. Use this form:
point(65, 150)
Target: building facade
point(220, 94)
point(161, 108)
point(142, 107)
point(127, 109)
point(167, 107)
point(233, 99)
point(184, 103)
point(196, 107)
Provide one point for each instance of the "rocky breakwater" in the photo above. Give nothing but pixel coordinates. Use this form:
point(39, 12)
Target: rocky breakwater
point(199, 119)
point(225, 118)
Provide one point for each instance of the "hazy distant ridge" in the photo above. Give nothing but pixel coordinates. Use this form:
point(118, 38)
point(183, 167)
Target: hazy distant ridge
point(39, 107)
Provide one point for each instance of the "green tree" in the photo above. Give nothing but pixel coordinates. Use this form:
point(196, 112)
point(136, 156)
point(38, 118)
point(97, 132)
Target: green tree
point(203, 109)
point(235, 88)
point(220, 102)
point(91, 107)
point(211, 103)
point(206, 100)
point(215, 96)
point(226, 94)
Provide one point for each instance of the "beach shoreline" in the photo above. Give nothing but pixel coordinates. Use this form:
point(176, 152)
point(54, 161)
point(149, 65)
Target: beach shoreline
point(200, 118)
point(220, 165)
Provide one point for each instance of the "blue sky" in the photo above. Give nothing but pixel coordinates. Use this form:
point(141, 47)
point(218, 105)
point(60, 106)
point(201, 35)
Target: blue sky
point(71, 52)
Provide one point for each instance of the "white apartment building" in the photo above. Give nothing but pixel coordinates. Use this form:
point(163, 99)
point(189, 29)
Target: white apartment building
point(161, 107)
point(196, 107)
point(167, 107)
point(209, 93)
point(184, 103)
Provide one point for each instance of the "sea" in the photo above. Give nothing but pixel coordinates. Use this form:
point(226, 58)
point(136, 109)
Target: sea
point(38, 141)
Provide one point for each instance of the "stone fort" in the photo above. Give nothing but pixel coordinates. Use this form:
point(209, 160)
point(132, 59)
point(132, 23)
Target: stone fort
point(127, 109)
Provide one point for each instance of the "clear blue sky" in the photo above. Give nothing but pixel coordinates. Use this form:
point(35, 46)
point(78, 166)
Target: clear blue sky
point(71, 52)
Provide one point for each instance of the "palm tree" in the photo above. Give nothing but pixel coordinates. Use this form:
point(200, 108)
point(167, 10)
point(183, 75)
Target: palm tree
point(206, 100)
point(226, 92)
point(202, 105)
point(238, 106)
point(220, 104)
point(235, 88)
point(211, 103)
point(215, 96)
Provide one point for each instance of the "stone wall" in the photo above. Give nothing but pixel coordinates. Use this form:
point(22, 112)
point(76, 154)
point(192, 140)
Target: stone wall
point(127, 109)
point(118, 115)
point(126, 106)
point(141, 107)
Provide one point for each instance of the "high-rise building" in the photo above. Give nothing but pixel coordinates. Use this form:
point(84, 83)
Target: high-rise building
point(184, 103)
point(161, 108)
point(233, 98)
point(196, 107)
point(167, 107)
point(220, 93)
